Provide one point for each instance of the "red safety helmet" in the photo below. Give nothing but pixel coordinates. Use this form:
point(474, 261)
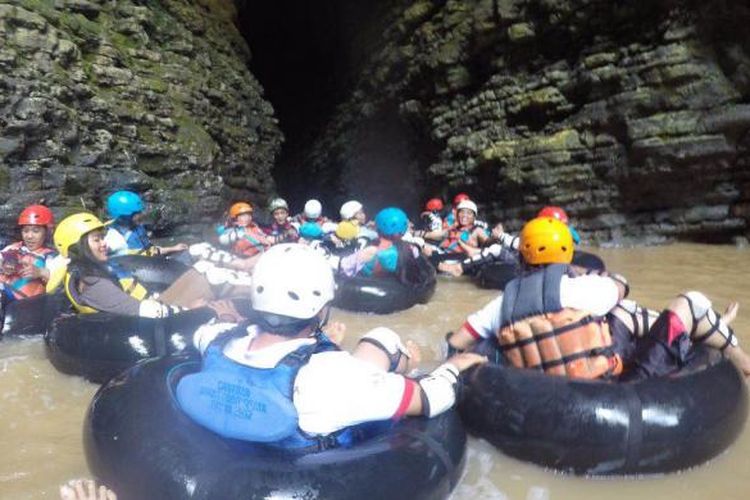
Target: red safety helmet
point(554, 212)
point(36, 215)
point(434, 205)
point(459, 198)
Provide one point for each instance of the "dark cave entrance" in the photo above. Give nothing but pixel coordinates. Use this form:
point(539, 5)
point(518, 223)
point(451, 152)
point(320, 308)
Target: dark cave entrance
point(307, 55)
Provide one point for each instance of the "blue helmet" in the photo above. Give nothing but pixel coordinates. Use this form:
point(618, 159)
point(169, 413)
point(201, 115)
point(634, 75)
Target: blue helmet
point(124, 204)
point(311, 231)
point(391, 221)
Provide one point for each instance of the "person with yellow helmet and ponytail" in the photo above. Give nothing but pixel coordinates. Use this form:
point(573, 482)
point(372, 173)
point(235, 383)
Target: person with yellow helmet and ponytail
point(573, 322)
point(93, 283)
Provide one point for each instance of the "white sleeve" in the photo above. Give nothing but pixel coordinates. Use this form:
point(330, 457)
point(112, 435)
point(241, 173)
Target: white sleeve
point(486, 321)
point(115, 241)
point(595, 294)
point(206, 333)
point(336, 390)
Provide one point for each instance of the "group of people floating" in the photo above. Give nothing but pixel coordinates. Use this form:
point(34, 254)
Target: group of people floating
point(554, 317)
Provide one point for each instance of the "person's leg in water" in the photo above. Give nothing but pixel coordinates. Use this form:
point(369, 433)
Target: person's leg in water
point(689, 319)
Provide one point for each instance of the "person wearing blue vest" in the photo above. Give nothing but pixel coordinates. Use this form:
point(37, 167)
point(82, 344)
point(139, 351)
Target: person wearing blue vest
point(281, 381)
point(126, 234)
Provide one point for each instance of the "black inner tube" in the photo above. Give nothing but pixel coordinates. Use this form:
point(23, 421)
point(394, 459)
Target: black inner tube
point(138, 441)
point(656, 425)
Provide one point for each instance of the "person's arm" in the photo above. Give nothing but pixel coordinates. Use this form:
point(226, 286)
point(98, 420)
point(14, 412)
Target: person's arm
point(595, 294)
point(336, 390)
point(480, 325)
point(105, 296)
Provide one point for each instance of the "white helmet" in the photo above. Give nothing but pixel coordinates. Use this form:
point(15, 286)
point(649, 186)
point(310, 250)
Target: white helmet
point(467, 204)
point(350, 209)
point(277, 203)
point(292, 280)
point(313, 209)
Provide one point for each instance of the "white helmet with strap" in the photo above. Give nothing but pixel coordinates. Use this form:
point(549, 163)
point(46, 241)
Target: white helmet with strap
point(277, 203)
point(292, 280)
point(313, 209)
point(350, 209)
point(468, 205)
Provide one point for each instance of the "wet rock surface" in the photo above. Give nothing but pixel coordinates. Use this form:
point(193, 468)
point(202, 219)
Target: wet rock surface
point(157, 97)
point(634, 116)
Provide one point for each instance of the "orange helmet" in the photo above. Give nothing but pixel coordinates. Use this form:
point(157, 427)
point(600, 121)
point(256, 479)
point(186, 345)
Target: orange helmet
point(546, 240)
point(240, 208)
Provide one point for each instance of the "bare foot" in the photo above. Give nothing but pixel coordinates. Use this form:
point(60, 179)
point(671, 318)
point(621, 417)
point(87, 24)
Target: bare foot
point(730, 313)
point(454, 269)
point(85, 489)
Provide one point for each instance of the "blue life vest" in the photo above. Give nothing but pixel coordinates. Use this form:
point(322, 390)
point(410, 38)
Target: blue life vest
point(533, 294)
point(136, 237)
point(252, 404)
point(384, 262)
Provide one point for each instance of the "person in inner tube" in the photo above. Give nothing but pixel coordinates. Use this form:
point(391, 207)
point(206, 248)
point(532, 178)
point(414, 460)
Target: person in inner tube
point(573, 322)
point(281, 229)
point(26, 265)
point(392, 255)
point(282, 381)
point(504, 247)
point(126, 234)
point(94, 283)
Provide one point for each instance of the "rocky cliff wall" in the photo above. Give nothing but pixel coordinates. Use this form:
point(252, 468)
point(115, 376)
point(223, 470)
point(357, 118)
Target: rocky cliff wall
point(632, 115)
point(150, 95)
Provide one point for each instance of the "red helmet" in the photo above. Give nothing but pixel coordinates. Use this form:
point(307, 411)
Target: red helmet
point(434, 205)
point(554, 212)
point(36, 215)
point(459, 198)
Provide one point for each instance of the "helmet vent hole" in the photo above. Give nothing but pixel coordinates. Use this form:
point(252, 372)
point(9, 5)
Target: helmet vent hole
point(293, 295)
point(564, 249)
point(317, 293)
point(542, 249)
point(259, 289)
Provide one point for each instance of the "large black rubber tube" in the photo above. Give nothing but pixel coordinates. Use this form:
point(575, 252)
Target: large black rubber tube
point(32, 316)
point(139, 442)
point(656, 425)
point(99, 346)
point(156, 273)
point(384, 295)
point(496, 276)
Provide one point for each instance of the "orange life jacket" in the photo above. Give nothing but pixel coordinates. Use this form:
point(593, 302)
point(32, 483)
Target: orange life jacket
point(456, 234)
point(14, 257)
point(251, 242)
point(536, 332)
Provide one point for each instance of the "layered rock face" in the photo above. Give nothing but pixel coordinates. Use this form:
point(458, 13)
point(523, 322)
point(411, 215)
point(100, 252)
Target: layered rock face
point(152, 96)
point(634, 116)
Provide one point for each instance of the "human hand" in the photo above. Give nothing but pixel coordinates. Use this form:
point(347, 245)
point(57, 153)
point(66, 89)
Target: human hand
point(498, 231)
point(335, 331)
point(29, 270)
point(415, 356)
point(466, 360)
point(225, 311)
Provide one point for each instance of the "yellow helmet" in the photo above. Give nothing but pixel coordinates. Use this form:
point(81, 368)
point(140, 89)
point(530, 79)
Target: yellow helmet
point(71, 228)
point(546, 240)
point(347, 230)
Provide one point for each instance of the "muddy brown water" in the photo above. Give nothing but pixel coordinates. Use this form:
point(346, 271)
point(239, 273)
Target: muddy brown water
point(41, 411)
